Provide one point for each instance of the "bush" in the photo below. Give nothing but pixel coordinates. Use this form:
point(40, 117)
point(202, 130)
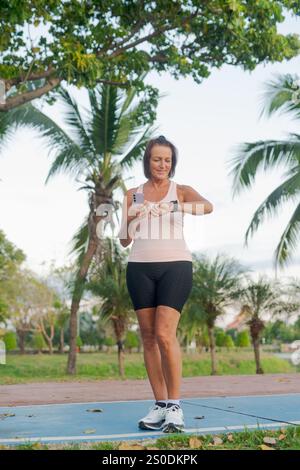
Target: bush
point(228, 341)
point(131, 340)
point(38, 341)
point(220, 339)
point(243, 339)
point(10, 340)
point(109, 341)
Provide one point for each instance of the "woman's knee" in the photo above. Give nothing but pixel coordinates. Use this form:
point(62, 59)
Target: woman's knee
point(165, 340)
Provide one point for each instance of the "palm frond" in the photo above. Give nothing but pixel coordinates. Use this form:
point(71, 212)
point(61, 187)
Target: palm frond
point(282, 194)
point(250, 157)
point(79, 241)
point(104, 117)
point(279, 94)
point(75, 122)
point(288, 240)
point(136, 151)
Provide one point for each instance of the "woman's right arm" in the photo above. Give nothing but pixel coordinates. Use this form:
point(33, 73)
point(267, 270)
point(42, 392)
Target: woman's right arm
point(123, 234)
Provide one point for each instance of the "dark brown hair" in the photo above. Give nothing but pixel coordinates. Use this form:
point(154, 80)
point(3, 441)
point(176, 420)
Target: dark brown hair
point(161, 140)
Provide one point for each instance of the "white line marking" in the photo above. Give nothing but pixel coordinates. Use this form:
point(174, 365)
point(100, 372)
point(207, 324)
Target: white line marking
point(141, 434)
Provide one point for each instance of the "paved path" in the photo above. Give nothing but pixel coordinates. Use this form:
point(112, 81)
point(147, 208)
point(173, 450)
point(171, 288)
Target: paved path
point(39, 393)
point(118, 420)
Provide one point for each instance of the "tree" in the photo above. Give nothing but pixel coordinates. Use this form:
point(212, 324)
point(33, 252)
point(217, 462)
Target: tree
point(259, 298)
point(29, 306)
point(281, 94)
point(100, 143)
point(11, 259)
point(62, 319)
point(108, 282)
point(215, 283)
point(84, 43)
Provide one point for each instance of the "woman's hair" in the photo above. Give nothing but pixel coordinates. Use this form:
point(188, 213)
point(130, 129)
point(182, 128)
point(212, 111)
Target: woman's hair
point(161, 140)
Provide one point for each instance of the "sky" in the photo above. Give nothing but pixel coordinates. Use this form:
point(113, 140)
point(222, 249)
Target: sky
point(204, 122)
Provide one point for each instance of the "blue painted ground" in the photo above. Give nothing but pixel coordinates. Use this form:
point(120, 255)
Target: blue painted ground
point(118, 420)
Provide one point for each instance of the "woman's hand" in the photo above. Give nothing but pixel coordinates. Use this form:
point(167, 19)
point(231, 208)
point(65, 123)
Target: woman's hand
point(161, 208)
point(140, 210)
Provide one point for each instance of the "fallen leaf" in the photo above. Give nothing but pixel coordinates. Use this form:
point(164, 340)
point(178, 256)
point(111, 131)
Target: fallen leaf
point(281, 437)
point(264, 447)
point(130, 446)
point(194, 443)
point(89, 431)
point(217, 441)
point(95, 410)
point(199, 417)
point(230, 437)
point(6, 415)
point(269, 440)
point(37, 445)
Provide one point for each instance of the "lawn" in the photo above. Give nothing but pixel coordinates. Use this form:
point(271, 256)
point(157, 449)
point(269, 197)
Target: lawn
point(102, 365)
point(286, 438)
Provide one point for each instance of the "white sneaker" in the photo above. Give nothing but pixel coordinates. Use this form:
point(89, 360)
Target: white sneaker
point(174, 421)
point(154, 419)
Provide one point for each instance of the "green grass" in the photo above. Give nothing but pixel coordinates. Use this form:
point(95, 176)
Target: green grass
point(244, 440)
point(100, 366)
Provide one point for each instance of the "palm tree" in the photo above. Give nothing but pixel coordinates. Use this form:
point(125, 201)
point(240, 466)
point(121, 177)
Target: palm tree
point(282, 93)
point(108, 282)
point(89, 150)
point(215, 283)
point(260, 298)
point(62, 317)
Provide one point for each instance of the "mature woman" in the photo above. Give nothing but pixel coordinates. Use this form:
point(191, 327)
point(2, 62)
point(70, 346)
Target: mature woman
point(159, 274)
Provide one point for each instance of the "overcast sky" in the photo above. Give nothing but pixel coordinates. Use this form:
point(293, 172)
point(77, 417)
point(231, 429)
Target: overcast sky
point(204, 122)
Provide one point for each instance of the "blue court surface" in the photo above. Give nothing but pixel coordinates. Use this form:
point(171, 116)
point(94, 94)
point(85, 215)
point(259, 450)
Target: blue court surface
point(76, 422)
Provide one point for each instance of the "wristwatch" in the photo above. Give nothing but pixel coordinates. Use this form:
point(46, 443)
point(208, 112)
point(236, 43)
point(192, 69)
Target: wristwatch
point(175, 206)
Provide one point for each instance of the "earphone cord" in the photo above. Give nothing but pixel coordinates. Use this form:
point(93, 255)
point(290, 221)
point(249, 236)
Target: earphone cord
point(240, 413)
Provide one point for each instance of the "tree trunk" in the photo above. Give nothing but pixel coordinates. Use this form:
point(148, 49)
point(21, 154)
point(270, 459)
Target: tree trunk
point(62, 341)
point(50, 346)
point(121, 359)
point(96, 199)
point(212, 345)
point(259, 369)
point(76, 298)
point(21, 336)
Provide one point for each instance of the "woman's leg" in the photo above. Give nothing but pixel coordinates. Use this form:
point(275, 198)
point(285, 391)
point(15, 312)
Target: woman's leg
point(167, 319)
point(152, 356)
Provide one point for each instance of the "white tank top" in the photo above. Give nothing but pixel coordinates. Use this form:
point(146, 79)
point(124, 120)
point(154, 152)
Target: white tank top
point(160, 238)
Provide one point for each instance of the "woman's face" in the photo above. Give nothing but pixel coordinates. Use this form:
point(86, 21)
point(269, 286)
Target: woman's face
point(160, 161)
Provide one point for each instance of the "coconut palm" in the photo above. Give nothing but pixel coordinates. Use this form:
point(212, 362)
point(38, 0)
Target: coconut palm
point(108, 282)
point(259, 298)
point(98, 144)
point(215, 283)
point(283, 93)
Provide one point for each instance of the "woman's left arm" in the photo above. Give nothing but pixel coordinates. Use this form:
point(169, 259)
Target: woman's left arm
point(193, 203)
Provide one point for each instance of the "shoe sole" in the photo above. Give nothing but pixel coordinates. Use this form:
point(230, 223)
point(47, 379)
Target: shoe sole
point(171, 427)
point(155, 426)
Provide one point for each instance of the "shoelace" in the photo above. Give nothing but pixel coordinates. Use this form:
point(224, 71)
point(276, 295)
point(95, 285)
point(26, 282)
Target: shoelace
point(173, 408)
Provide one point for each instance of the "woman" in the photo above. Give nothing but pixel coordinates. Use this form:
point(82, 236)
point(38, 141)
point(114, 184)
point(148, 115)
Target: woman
point(159, 275)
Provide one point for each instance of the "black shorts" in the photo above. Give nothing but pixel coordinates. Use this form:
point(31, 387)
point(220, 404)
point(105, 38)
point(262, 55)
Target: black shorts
point(159, 283)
